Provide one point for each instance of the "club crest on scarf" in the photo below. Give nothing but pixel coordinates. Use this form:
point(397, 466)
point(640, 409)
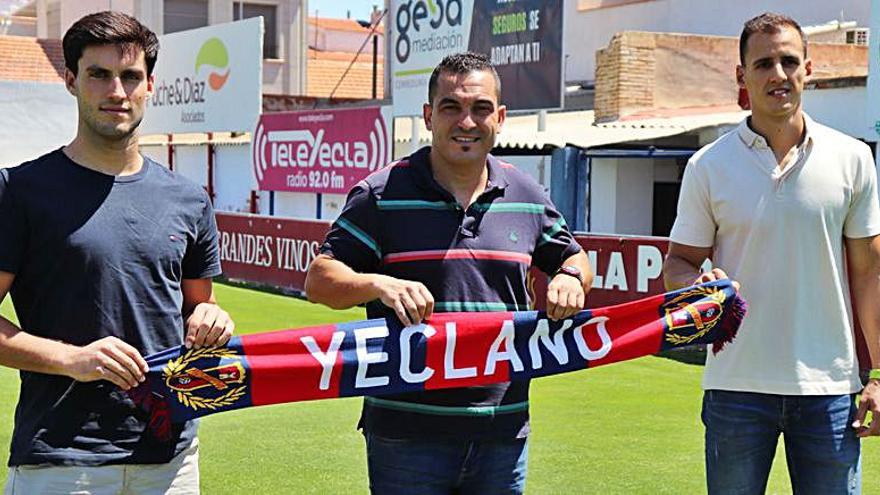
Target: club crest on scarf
point(206, 388)
point(693, 313)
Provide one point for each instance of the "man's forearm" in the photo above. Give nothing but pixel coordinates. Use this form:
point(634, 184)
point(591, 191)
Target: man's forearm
point(333, 284)
point(23, 351)
point(679, 272)
point(863, 262)
point(866, 290)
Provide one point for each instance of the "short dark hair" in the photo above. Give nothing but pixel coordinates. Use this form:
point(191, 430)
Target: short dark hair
point(109, 28)
point(768, 23)
point(462, 63)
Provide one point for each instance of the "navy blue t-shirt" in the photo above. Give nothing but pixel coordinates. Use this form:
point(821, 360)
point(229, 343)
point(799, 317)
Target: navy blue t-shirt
point(402, 223)
point(96, 255)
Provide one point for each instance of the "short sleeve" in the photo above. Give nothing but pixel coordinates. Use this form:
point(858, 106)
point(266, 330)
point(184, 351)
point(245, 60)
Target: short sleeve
point(694, 223)
point(863, 218)
point(555, 242)
point(13, 225)
point(202, 258)
point(354, 236)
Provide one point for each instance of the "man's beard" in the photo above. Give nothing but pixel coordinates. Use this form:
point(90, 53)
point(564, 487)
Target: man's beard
point(113, 132)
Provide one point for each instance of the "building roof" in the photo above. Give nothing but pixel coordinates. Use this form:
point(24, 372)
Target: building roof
point(579, 129)
point(340, 25)
point(326, 68)
point(31, 59)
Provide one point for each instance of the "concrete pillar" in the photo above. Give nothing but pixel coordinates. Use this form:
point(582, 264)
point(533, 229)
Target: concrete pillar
point(42, 19)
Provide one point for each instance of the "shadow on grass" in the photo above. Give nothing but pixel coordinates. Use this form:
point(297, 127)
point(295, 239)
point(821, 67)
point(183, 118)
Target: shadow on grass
point(694, 355)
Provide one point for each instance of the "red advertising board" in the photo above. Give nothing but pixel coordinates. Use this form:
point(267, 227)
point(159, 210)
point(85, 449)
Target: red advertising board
point(320, 151)
point(268, 250)
point(625, 268)
point(277, 252)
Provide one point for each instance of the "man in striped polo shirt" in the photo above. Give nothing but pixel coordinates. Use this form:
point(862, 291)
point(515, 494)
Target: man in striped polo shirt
point(449, 228)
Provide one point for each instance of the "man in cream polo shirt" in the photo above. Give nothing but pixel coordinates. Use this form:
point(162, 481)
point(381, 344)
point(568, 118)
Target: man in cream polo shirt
point(783, 204)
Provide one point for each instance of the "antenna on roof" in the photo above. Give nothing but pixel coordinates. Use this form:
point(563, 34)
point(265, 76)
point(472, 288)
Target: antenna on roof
point(374, 27)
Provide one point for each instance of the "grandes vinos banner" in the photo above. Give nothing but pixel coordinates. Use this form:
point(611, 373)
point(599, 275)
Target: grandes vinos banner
point(269, 251)
point(523, 38)
point(207, 80)
point(320, 151)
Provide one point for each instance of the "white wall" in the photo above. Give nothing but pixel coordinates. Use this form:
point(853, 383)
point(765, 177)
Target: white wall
point(297, 205)
point(192, 163)
point(588, 31)
point(156, 153)
point(537, 166)
point(841, 108)
point(635, 196)
point(603, 191)
point(331, 205)
point(621, 196)
point(35, 118)
point(233, 178)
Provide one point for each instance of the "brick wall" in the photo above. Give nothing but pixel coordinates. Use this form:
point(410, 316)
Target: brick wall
point(625, 75)
point(641, 72)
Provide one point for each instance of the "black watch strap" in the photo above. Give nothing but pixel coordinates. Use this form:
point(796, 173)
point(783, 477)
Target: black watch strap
point(571, 271)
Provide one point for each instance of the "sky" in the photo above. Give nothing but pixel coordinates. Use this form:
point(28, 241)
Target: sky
point(7, 6)
point(360, 9)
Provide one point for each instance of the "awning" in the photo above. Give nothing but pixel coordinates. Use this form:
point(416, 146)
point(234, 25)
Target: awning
point(578, 129)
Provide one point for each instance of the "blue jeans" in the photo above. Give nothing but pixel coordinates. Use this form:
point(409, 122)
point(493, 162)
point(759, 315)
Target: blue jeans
point(821, 448)
point(441, 467)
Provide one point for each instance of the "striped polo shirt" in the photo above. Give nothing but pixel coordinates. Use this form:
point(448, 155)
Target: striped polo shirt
point(400, 222)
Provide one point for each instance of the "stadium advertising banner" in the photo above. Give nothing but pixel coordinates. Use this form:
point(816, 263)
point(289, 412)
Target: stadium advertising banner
point(277, 252)
point(321, 151)
point(523, 38)
point(207, 80)
point(269, 251)
point(874, 75)
point(625, 269)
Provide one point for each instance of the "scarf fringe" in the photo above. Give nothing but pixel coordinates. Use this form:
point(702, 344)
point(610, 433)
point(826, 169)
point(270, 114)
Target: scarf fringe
point(730, 323)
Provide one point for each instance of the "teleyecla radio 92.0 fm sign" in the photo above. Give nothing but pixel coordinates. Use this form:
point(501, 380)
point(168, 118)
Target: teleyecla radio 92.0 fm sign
point(207, 80)
point(321, 151)
point(523, 39)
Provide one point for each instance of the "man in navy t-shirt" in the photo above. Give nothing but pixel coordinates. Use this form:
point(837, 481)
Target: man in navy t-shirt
point(448, 229)
point(108, 256)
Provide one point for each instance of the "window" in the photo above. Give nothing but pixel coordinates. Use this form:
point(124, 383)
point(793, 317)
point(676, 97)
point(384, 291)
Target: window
point(180, 15)
point(858, 36)
point(241, 10)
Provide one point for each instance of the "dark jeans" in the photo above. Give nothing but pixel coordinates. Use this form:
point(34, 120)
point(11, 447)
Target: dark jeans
point(441, 467)
point(821, 448)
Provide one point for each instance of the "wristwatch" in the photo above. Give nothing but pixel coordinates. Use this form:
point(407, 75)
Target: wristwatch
point(571, 271)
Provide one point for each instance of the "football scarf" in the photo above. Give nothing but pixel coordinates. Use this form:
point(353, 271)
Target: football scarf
point(379, 357)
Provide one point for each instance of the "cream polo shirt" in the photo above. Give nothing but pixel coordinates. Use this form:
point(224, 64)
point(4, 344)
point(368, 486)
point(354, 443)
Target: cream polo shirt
point(780, 233)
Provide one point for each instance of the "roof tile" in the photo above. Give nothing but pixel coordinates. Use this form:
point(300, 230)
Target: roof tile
point(30, 59)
